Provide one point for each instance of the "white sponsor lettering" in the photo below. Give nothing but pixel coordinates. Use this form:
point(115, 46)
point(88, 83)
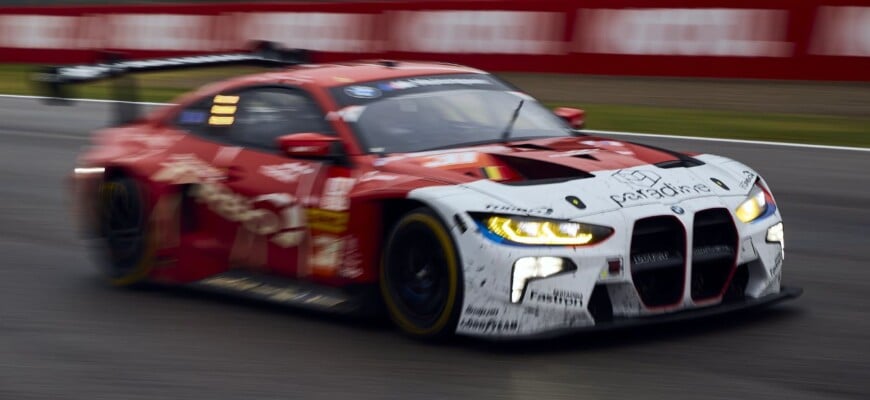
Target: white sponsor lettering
point(286, 223)
point(683, 32)
point(348, 33)
point(287, 173)
point(448, 159)
point(160, 32)
point(841, 31)
point(37, 31)
point(351, 267)
point(335, 194)
point(377, 176)
point(326, 255)
point(504, 32)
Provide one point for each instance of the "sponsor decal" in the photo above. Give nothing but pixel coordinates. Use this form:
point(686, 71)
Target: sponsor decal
point(335, 194)
point(720, 183)
point(362, 92)
point(481, 311)
point(637, 178)
point(377, 176)
point(286, 224)
point(712, 250)
point(489, 325)
point(326, 254)
point(286, 173)
point(443, 160)
point(683, 32)
point(678, 210)
point(351, 267)
point(319, 31)
point(664, 191)
point(748, 180)
point(557, 297)
point(478, 31)
point(841, 31)
point(327, 220)
point(776, 271)
point(422, 82)
point(186, 168)
point(192, 117)
point(652, 257)
point(284, 220)
point(519, 210)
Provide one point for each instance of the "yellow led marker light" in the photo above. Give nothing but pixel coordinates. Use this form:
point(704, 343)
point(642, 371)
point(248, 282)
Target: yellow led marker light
point(222, 99)
point(226, 110)
point(220, 120)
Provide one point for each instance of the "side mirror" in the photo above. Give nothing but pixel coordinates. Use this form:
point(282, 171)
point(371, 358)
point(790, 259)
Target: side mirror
point(311, 145)
point(575, 117)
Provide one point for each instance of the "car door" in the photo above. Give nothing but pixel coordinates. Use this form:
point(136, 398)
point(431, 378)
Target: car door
point(281, 194)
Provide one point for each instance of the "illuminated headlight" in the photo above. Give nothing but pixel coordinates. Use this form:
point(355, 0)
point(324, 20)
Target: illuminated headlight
point(530, 268)
point(775, 234)
point(89, 171)
point(531, 231)
point(758, 204)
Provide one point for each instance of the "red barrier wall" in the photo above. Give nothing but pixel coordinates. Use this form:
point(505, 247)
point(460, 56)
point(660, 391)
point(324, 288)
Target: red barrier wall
point(779, 39)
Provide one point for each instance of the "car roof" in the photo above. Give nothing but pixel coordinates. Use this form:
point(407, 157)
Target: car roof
point(340, 74)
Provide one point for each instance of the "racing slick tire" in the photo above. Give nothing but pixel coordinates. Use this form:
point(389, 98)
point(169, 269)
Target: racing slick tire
point(126, 251)
point(421, 276)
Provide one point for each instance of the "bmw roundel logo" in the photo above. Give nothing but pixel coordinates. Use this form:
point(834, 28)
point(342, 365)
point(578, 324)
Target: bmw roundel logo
point(362, 92)
point(678, 210)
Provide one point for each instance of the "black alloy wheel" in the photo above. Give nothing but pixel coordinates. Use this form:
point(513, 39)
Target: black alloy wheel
point(420, 276)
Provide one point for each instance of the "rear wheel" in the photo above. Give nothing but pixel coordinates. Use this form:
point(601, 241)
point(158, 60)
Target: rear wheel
point(421, 276)
point(123, 227)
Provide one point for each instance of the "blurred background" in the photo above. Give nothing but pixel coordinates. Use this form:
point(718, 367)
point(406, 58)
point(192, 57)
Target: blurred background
point(770, 70)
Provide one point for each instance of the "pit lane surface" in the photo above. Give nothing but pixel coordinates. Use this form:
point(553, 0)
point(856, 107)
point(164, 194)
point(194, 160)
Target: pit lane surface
point(65, 335)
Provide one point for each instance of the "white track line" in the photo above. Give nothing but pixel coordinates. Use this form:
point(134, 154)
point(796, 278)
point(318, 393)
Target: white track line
point(22, 96)
point(649, 135)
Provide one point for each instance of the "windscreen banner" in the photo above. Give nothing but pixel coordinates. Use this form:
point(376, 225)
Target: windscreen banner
point(770, 39)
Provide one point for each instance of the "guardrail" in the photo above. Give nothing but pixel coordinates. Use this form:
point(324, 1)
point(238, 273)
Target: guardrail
point(772, 39)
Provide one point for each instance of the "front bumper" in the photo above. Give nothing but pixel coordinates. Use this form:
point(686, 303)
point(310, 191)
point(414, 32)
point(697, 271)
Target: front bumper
point(785, 293)
point(592, 297)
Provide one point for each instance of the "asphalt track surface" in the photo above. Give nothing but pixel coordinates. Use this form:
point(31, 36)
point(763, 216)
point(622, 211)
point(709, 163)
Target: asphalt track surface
point(64, 335)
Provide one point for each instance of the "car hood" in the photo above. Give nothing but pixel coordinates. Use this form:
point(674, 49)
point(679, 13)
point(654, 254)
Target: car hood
point(573, 177)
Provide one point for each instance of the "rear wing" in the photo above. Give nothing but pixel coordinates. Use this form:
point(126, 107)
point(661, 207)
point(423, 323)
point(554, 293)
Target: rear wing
point(54, 82)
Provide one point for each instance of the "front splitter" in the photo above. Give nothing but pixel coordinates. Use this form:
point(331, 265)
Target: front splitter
point(785, 293)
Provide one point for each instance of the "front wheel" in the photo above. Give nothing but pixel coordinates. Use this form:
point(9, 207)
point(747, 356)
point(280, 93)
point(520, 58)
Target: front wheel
point(421, 277)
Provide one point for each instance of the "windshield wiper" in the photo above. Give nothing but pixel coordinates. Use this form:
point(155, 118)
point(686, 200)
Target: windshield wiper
point(510, 127)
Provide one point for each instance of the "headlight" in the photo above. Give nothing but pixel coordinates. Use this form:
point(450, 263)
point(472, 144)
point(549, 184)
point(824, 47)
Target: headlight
point(758, 204)
point(534, 231)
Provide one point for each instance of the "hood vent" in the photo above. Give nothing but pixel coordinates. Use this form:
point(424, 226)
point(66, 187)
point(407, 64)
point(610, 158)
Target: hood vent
point(529, 146)
point(686, 162)
point(536, 171)
point(586, 157)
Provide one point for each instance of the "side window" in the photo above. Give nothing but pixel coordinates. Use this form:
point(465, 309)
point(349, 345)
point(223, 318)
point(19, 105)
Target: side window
point(253, 117)
point(264, 114)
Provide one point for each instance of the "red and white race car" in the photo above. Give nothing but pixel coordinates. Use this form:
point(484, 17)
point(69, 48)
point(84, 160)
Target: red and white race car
point(452, 200)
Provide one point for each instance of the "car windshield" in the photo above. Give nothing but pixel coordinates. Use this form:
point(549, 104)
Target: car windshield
point(428, 117)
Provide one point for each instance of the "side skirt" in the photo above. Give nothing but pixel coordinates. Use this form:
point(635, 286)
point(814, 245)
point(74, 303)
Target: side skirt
point(273, 289)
